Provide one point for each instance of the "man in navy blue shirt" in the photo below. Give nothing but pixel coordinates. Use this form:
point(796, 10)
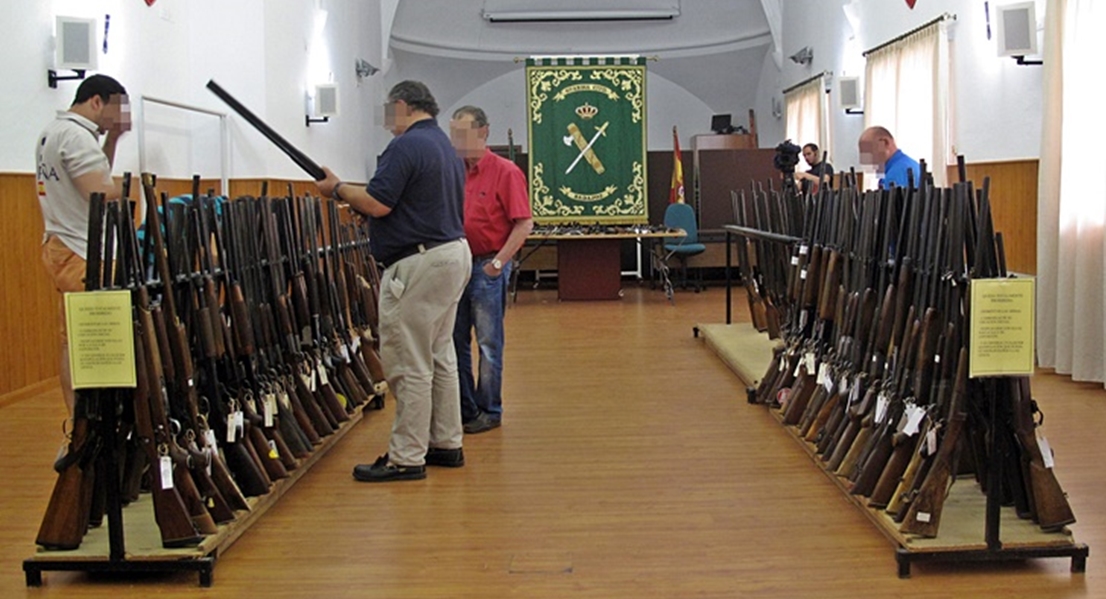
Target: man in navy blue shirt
point(415, 202)
point(877, 146)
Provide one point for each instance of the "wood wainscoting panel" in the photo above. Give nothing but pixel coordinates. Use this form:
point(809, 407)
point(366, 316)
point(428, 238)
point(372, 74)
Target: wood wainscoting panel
point(238, 187)
point(29, 319)
point(1013, 206)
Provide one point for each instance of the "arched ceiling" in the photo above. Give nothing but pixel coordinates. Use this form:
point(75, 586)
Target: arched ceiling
point(713, 48)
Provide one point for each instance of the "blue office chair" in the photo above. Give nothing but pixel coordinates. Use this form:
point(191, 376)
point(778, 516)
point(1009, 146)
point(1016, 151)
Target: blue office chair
point(682, 216)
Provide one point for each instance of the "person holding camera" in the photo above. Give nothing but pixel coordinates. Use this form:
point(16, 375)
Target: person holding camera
point(820, 171)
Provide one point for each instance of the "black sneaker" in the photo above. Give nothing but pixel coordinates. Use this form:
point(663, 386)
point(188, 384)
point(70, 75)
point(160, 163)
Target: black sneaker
point(382, 471)
point(448, 458)
point(483, 422)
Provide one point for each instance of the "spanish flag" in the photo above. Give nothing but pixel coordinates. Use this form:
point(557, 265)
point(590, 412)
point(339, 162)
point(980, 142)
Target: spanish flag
point(676, 194)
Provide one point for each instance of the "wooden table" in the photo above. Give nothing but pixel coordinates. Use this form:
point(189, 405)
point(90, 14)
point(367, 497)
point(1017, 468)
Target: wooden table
point(589, 265)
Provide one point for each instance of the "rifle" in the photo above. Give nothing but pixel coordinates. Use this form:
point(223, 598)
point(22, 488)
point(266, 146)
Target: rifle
point(363, 310)
point(872, 461)
point(297, 382)
point(924, 515)
point(855, 350)
point(274, 355)
point(318, 304)
point(1052, 510)
point(67, 513)
point(299, 427)
point(260, 404)
point(766, 272)
point(175, 381)
point(905, 443)
point(353, 375)
point(950, 258)
point(229, 420)
point(752, 293)
point(212, 339)
point(245, 368)
point(937, 417)
point(174, 520)
point(301, 159)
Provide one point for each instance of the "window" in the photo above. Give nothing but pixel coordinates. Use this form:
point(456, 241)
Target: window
point(806, 109)
point(907, 91)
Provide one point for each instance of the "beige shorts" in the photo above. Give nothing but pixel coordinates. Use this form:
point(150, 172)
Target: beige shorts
point(66, 270)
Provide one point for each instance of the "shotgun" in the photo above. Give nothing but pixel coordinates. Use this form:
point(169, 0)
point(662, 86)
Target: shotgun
point(67, 513)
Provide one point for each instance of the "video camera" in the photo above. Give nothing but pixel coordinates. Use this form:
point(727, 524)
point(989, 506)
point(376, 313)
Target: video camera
point(787, 157)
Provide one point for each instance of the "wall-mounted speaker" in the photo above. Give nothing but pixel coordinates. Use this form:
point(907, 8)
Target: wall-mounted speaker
point(1017, 29)
point(76, 44)
point(326, 100)
point(848, 89)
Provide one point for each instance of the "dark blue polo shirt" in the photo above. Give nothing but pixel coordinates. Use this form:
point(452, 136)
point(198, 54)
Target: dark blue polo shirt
point(421, 178)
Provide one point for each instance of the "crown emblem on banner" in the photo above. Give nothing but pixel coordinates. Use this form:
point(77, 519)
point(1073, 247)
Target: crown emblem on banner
point(586, 111)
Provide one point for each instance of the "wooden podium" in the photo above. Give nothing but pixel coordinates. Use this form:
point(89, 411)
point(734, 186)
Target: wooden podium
point(588, 265)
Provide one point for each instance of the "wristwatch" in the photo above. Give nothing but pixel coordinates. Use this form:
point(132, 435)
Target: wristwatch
point(496, 264)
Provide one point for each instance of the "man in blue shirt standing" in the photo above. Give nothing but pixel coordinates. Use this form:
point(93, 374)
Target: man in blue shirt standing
point(415, 201)
point(877, 146)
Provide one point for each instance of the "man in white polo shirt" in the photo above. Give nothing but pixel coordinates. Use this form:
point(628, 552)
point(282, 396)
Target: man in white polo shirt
point(71, 164)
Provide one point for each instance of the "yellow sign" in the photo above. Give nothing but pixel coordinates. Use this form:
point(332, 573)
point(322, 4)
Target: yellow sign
point(1002, 327)
point(101, 339)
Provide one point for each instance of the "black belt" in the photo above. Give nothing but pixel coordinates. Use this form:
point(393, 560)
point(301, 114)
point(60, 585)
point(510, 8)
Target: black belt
point(418, 248)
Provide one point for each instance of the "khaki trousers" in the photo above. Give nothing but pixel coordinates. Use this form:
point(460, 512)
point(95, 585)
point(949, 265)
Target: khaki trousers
point(418, 307)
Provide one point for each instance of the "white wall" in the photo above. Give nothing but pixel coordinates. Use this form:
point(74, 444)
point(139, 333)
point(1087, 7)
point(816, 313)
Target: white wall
point(503, 99)
point(997, 105)
point(259, 50)
point(770, 127)
point(256, 49)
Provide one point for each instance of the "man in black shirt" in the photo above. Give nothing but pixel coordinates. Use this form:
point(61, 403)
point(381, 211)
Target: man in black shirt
point(415, 202)
point(820, 170)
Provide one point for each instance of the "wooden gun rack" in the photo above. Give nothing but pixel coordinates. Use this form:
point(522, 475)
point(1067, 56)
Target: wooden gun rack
point(134, 544)
point(964, 507)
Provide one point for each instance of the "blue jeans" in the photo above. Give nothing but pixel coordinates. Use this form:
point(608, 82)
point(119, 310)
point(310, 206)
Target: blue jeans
point(481, 308)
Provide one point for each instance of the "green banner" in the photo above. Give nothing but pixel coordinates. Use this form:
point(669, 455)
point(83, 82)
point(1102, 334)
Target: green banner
point(587, 140)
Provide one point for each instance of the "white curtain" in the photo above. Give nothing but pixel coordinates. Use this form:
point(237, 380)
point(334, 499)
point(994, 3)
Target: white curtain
point(907, 91)
point(1071, 203)
point(806, 110)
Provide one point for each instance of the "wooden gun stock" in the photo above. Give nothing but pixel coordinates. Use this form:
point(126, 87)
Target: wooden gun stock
point(156, 342)
point(173, 519)
point(1052, 509)
point(924, 516)
point(66, 518)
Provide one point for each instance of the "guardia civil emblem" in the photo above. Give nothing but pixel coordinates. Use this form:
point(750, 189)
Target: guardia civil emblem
point(587, 139)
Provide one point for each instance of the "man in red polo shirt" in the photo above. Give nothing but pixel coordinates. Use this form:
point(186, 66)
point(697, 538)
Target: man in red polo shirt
point(497, 221)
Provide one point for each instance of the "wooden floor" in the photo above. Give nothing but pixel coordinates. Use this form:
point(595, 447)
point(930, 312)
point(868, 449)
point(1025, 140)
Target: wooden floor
point(629, 465)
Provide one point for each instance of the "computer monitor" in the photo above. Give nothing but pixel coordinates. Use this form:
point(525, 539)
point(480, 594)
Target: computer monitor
point(721, 123)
